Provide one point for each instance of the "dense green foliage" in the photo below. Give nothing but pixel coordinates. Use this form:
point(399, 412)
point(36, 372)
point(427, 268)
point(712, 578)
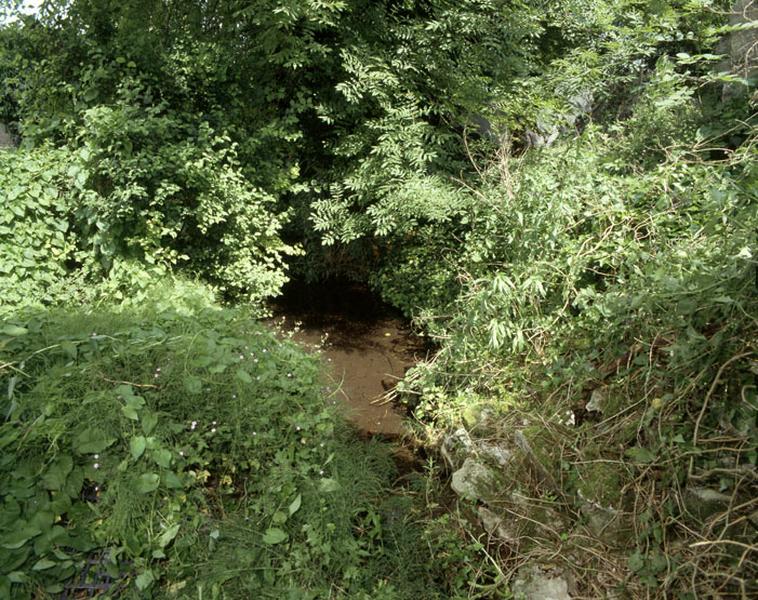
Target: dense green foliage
point(609, 280)
point(561, 193)
point(187, 449)
point(35, 241)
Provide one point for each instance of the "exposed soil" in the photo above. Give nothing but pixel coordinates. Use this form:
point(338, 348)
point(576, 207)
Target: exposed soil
point(367, 345)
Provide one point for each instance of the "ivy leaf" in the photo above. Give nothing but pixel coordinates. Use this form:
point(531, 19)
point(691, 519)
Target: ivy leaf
point(274, 535)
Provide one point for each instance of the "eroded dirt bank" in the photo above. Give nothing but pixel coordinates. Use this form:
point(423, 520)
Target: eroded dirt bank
point(367, 346)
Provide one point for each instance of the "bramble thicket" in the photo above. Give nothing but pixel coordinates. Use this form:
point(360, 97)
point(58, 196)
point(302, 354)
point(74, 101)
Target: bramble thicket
point(559, 194)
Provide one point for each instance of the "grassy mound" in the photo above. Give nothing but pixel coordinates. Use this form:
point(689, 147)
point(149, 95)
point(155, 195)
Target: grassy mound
point(184, 451)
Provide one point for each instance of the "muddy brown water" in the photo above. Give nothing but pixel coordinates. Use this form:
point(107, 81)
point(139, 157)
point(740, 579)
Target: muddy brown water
point(365, 345)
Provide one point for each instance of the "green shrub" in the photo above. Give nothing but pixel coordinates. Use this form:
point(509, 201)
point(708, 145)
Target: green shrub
point(138, 186)
point(37, 241)
point(621, 264)
point(165, 192)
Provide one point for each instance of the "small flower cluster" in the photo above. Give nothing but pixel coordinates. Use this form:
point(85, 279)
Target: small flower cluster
point(193, 424)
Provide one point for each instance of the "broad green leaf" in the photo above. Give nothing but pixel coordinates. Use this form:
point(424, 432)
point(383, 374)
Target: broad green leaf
point(162, 458)
point(165, 538)
point(74, 483)
point(144, 580)
point(640, 455)
point(149, 421)
point(130, 412)
point(55, 477)
point(124, 391)
point(274, 535)
point(329, 485)
point(54, 588)
point(14, 330)
point(295, 505)
point(134, 405)
point(172, 480)
point(148, 482)
point(244, 376)
point(42, 520)
point(91, 441)
point(17, 538)
point(137, 446)
point(636, 562)
point(69, 348)
point(193, 384)
point(43, 564)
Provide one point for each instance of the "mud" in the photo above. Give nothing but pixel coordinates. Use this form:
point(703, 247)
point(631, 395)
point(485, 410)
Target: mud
point(366, 346)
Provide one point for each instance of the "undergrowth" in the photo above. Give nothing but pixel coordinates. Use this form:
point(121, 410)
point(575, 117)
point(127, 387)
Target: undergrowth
point(608, 315)
point(190, 454)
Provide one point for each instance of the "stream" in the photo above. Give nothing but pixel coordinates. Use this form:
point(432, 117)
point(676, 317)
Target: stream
point(366, 345)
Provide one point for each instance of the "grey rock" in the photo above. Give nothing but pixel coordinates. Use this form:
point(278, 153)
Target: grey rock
point(600, 520)
point(474, 480)
point(598, 399)
point(456, 447)
point(459, 445)
point(582, 102)
point(703, 502)
point(538, 140)
point(496, 525)
point(495, 453)
point(539, 469)
point(539, 583)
